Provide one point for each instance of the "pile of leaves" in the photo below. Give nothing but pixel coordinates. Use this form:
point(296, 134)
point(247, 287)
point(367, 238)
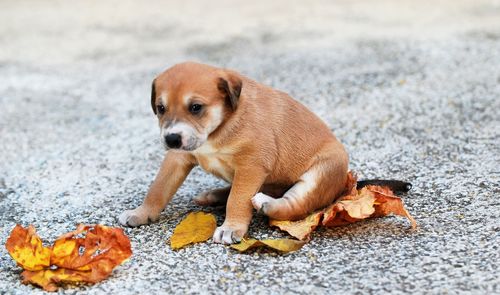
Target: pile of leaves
point(353, 206)
point(87, 255)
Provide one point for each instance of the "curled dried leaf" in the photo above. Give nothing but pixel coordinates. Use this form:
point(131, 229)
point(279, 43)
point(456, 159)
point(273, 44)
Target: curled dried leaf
point(196, 227)
point(371, 201)
point(350, 209)
point(87, 255)
point(350, 185)
point(50, 280)
point(281, 245)
point(354, 205)
point(94, 249)
point(26, 248)
point(300, 229)
point(386, 203)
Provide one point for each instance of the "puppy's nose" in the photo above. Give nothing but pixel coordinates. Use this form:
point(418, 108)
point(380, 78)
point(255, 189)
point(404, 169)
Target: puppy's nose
point(173, 140)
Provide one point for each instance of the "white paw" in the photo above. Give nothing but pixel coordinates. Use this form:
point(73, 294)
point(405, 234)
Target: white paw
point(136, 217)
point(259, 200)
point(226, 234)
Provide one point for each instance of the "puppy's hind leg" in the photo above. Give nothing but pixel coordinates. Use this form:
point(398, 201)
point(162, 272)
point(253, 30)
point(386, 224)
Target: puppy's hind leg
point(216, 197)
point(316, 188)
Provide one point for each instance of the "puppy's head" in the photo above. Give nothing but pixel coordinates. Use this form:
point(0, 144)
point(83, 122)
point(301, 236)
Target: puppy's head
point(191, 101)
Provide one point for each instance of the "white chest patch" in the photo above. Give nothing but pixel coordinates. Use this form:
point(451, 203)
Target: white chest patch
point(216, 167)
point(205, 150)
point(215, 161)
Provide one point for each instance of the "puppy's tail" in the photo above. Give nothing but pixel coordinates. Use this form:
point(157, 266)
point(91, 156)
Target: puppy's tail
point(396, 186)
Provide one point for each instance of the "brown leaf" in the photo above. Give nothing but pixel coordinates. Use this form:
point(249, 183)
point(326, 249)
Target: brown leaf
point(87, 255)
point(354, 205)
point(350, 185)
point(25, 247)
point(371, 201)
point(386, 203)
point(196, 227)
point(282, 245)
point(350, 208)
point(300, 229)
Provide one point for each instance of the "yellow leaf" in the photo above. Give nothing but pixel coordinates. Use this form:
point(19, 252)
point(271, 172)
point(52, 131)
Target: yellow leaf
point(86, 255)
point(196, 227)
point(50, 280)
point(282, 245)
point(26, 248)
point(300, 229)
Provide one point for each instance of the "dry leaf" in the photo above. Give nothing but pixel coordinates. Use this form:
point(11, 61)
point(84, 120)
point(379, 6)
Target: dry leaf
point(97, 253)
point(87, 255)
point(354, 205)
point(26, 248)
point(196, 227)
point(370, 201)
point(50, 280)
point(350, 185)
point(386, 203)
point(300, 229)
point(350, 209)
point(282, 245)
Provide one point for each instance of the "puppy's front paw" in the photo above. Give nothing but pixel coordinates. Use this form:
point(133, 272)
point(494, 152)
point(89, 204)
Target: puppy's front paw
point(136, 217)
point(229, 234)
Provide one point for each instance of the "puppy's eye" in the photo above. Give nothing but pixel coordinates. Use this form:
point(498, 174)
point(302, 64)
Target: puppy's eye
point(161, 109)
point(195, 108)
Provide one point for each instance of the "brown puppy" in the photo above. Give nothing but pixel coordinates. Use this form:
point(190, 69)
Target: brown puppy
point(258, 139)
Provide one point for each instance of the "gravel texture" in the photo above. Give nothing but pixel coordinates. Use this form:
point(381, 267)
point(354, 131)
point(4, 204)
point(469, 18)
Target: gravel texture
point(412, 88)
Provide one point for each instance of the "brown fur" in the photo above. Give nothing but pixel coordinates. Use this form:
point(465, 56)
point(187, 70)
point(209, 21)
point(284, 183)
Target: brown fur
point(266, 142)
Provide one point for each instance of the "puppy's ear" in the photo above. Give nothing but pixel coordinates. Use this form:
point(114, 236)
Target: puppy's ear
point(153, 96)
point(230, 86)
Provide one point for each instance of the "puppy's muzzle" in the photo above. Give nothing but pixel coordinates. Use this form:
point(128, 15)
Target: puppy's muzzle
point(173, 140)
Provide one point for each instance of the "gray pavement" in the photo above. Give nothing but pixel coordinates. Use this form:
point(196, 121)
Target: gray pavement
point(412, 88)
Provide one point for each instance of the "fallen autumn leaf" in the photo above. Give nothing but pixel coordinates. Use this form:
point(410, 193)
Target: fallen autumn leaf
point(354, 205)
point(386, 203)
point(355, 208)
point(282, 245)
point(300, 229)
point(87, 255)
point(196, 227)
point(26, 248)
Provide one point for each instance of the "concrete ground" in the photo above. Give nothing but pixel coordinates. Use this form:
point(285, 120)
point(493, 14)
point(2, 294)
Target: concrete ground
point(412, 88)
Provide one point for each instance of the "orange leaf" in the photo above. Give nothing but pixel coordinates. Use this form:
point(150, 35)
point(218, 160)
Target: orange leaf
point(282, 245)
point(350, 185)
point(196, 227)
point(386, 203)
point(300, 229)
point(49, 279)
point(98, 252)
point(370, 201)
point(87, 255)
point(26, 248)
point(350, 208)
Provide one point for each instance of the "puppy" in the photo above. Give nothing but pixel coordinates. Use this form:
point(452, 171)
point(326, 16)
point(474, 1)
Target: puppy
point(278, 157)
